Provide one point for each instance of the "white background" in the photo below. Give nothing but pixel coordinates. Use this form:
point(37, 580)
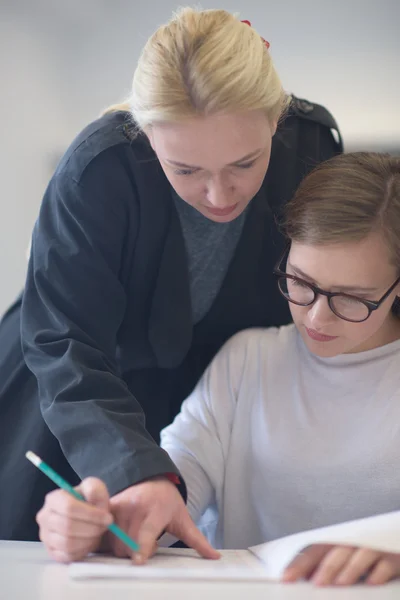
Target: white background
point(62, 62)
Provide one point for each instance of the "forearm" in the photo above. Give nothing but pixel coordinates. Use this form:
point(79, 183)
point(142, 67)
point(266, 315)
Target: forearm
point(100, 427)
point(92, 413)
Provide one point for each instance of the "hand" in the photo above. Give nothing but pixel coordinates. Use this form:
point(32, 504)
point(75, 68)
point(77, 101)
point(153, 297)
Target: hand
point(146, 510)
point(70, 528)
point(326, 564)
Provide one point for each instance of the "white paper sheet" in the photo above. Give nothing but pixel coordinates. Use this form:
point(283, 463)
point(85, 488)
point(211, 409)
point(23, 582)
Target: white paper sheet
point(381, 532)
point(263, 562)
point(174, 563)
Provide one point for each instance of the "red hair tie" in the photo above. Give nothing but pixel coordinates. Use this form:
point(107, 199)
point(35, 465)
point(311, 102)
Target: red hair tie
point(265, 41)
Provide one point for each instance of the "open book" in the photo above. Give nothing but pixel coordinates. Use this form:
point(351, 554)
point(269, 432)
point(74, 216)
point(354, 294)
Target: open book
point(263, 562)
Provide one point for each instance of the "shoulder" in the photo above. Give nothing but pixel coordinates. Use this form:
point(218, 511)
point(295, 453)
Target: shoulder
point(249, 357)
point(104, 145)
point(301, 108)
point(306, 136)
point(252, 345)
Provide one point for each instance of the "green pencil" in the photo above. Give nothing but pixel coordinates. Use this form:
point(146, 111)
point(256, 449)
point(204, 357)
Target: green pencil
point(58, 480)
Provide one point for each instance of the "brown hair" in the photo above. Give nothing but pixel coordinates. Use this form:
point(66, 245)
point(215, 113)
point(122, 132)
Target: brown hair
point(345, 199)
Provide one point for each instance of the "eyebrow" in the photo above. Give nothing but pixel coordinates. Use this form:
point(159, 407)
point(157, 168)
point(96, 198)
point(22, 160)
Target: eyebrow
point(236, 162)
point(342, 288)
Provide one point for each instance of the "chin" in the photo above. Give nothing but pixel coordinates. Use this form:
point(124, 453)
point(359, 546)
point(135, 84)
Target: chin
point(224, 218)
point(324, 352)
point(322, 349)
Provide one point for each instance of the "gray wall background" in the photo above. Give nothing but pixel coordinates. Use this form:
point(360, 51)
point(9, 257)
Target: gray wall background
point(63, 61)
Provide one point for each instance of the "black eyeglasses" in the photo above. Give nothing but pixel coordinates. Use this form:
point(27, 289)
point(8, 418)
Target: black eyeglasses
point(345, 306)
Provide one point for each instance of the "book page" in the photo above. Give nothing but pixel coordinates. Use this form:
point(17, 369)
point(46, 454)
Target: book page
point(380, 532)
point(173, 563)
point(263, 562)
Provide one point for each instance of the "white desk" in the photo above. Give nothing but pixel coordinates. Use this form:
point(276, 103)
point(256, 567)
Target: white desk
point(26, 573)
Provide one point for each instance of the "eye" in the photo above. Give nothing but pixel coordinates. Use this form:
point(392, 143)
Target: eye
point(247, 165)
point(184, 172)
point(347, 301)
point(298, 283)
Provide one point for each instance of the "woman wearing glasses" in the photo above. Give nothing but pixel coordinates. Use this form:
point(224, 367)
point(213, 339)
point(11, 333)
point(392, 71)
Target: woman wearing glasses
point(298, 427)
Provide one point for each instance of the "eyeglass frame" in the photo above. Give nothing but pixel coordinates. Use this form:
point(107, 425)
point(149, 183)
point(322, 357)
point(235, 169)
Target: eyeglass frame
point(371, 305)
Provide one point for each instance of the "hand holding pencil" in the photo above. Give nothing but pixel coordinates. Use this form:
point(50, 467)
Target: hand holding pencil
point(71, 528)
point(81, 514)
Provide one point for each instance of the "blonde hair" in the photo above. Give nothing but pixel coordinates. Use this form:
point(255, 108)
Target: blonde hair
point(203, 62)
point(347, 198)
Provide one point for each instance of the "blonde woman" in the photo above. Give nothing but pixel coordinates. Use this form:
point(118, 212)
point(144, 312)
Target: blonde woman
point(298, 427)
point(151, 249)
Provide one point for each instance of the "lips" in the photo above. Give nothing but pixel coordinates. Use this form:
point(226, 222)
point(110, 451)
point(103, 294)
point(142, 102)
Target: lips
point(222, 212)
point(320, 337)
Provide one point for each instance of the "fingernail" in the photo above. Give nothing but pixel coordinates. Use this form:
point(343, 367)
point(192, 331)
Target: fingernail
point(107, 520)
point(138, 559)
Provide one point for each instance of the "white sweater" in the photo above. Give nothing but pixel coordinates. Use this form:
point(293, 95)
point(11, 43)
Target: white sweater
point(275, 440)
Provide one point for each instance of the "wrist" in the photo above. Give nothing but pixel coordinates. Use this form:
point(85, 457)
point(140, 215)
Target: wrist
point(175, 479)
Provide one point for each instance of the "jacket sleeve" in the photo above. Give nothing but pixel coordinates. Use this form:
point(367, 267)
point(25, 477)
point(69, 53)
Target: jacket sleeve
point(73, 306)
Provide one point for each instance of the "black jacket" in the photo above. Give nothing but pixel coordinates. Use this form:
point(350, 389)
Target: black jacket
point(103, 328)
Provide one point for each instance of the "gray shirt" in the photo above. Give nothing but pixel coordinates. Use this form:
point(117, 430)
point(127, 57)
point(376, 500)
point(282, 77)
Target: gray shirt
point(210, 247)
point(279, 440)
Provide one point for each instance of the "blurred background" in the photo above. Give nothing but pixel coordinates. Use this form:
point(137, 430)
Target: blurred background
point(63, 61)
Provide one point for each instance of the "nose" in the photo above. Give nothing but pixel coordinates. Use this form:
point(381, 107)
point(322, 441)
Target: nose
point(319, 314)
point(220, 194)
